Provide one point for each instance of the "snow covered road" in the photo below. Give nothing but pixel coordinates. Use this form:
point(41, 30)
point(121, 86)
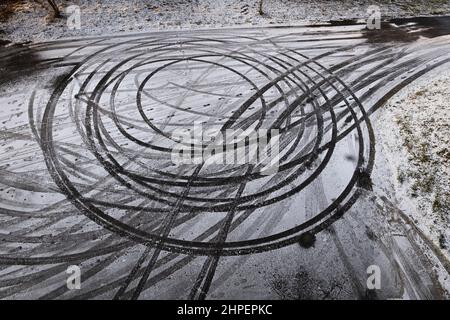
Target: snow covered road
point(87, 178)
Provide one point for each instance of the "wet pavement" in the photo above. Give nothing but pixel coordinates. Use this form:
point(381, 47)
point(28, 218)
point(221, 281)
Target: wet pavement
point(86, 176)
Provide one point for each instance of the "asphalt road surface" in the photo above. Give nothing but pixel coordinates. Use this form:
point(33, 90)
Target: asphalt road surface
point(87, 178)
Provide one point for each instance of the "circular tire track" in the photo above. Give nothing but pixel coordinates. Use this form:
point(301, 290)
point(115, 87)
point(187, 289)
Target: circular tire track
point(105, 133)
point(288, 92)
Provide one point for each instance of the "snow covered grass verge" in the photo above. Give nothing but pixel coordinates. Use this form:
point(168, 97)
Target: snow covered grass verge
point(415, 131)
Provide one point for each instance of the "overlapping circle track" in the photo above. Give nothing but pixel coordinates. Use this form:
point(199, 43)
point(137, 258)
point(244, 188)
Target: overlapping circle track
point(125, 100)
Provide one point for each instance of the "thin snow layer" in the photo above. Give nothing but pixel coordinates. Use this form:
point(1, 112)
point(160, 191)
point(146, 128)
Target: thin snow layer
point(415, 130)
point(22, 21)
